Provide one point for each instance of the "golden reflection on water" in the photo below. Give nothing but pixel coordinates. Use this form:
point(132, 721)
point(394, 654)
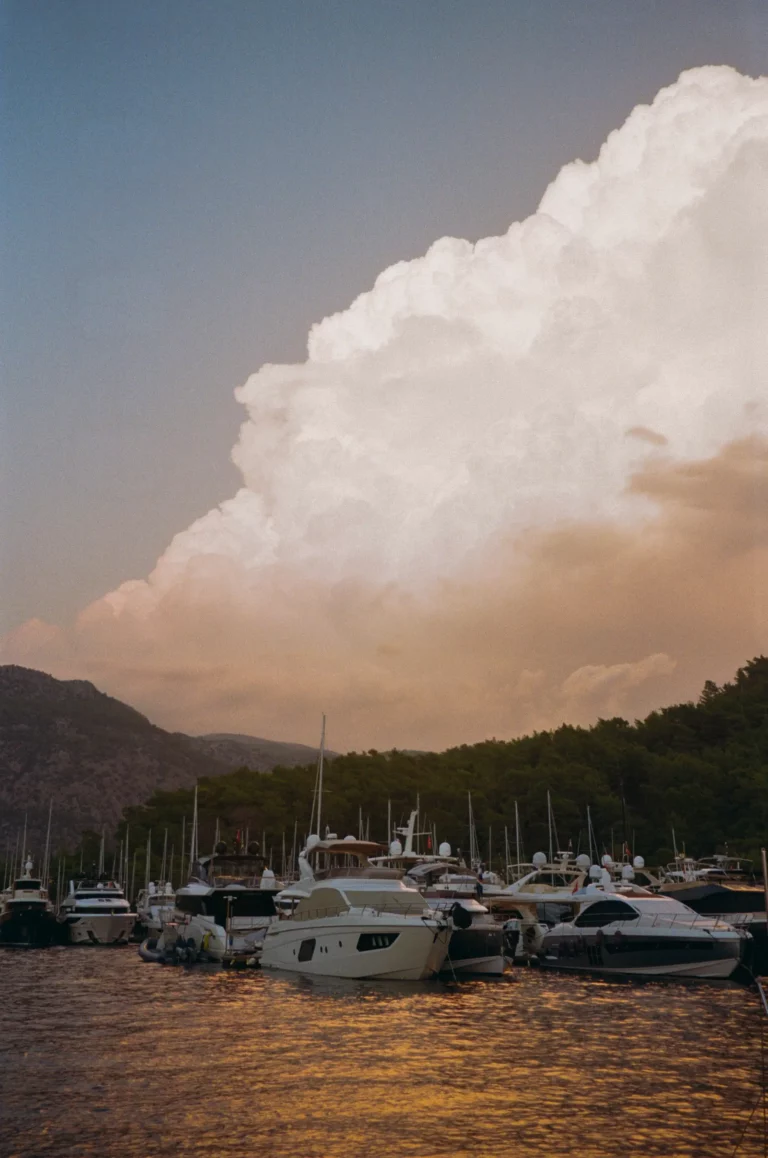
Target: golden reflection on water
point(105, 1055)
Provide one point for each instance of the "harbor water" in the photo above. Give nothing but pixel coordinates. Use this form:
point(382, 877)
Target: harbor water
point(104, 1055)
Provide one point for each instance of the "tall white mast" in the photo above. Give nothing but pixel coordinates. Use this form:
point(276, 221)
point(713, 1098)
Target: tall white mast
point(517, 835)
point(549, 825)
point(147, 863)
point(320, 762)
point(23, 848)
point(47, 856)
point(193, 835)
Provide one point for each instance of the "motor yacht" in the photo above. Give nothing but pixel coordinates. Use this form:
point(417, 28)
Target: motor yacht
point(726, 890)
point(96, 912)
point(477, 941)
point(356, 919)
point(224, 910)
point(155, 906)
point(27, 916)
point(528, 907)
point(629, 931)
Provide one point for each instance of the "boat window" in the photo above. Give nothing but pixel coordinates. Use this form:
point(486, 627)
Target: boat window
point(26, 885)
point(306, 949)
point(605, 913)
point(368, 941)
point(101, 910)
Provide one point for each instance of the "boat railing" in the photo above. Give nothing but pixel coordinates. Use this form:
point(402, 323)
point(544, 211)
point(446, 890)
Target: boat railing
point(407, 910)
point(671, 920)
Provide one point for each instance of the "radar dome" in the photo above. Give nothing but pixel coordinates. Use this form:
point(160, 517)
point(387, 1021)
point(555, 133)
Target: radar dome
point(627, 872)
point(607, 861)
point(395, 848)
point(582, 860)
point(595, 872)
point(638, 862)
point(444, 849)
point(539, 859)
point(350, 838)
point(312, 840)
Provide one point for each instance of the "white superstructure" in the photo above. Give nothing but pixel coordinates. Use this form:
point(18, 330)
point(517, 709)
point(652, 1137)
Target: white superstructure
point(96, 912)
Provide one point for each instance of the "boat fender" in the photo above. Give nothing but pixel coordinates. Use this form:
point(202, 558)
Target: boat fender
point(462, 918)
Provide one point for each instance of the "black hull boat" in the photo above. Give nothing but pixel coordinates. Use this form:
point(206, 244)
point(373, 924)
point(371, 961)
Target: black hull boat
point(740, 903)
point(640, 956)
point(29, 927)
point(636, 935)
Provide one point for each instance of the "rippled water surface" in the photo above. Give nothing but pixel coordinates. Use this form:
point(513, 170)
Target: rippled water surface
point(103, 1054)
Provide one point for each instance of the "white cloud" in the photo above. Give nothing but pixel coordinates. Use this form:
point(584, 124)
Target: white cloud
point(472, 396)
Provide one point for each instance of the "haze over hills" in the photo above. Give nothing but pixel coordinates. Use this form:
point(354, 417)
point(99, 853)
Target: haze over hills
point(94, 756)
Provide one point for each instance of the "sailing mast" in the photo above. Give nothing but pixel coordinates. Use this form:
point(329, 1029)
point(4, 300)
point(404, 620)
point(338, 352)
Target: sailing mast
point(148, 860)
point(46, 858)
point(193, 836)
point(320, 762)
point(549, 825)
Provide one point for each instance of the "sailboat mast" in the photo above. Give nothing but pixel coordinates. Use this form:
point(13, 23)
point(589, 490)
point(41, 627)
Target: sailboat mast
point(320, 763)
point(517, 835)
point(549, 825)
point(193, 835)
point(148, 860)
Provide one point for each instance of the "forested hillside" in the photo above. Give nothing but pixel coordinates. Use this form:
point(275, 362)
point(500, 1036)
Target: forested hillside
point(701, 768)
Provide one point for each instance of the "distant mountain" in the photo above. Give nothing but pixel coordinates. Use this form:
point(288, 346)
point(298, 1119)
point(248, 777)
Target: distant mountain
point(261, 755)
point(93, 755)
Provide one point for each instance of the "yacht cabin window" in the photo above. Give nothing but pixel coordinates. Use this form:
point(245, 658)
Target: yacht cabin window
point(605, 913)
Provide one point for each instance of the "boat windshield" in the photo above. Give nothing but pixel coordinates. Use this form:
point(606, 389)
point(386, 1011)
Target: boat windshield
point(27, 885)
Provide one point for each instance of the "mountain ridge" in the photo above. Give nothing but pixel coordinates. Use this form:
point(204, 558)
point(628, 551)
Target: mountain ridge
point(94, 755)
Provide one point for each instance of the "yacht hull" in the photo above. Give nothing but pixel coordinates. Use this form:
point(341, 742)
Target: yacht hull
point(100, 929)
point(358, 949)
point(476, 950)
point(29, 927)
point(644, 955)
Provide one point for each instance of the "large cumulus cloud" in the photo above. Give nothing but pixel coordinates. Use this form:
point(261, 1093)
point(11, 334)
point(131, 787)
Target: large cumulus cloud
point(517, 482)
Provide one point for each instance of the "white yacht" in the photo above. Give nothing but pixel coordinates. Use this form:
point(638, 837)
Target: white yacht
point(356, 919)
point(27, 916)
point(96, 912)
point(155, 906)
point(631, 932)
point(477, 941)
point(225, 909)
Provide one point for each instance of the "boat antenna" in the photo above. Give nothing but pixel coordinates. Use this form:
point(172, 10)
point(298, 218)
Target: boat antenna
point(165, 850)
point(389, 822)
point(101, 853)
point(127, 834)
point(674, 843)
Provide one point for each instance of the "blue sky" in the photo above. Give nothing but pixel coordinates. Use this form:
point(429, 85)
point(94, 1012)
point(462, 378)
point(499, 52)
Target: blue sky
point(187, 186)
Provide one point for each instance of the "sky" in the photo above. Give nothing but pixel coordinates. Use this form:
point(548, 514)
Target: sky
point(189, 189)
